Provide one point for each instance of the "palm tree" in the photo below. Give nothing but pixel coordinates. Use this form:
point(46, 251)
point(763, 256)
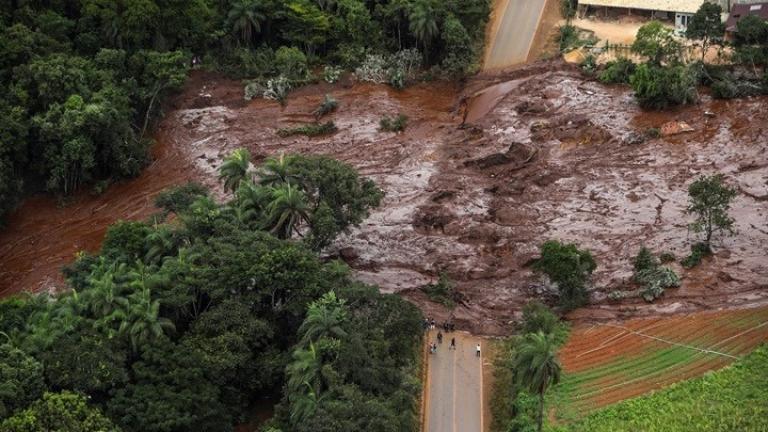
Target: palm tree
point(537, 368)
point(245, 19)
point(277, 171)
point(104, 295)
point(251, 200)
point(142, 321)
point(159, 242)
point(324, 319)
point(423, 22)
point(235, 169)
point(287, 210)
point(305, 405)
point(304, 371)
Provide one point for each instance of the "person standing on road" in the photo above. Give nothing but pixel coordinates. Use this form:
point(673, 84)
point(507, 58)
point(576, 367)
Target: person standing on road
point(439, 337)
point(477, 351)
point(453, 343)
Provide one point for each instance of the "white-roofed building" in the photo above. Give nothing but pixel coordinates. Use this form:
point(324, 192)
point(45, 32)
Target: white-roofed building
point(679, 10)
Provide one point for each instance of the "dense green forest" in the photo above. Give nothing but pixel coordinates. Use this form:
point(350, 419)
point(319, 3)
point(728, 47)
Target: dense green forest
point(84, 79)
point(189, 320)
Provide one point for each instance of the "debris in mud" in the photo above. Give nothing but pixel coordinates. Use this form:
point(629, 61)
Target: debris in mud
point(433, 217)
point(536, 106)
point(675, 128)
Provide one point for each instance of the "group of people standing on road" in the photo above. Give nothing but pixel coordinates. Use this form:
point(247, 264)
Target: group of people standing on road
point(447, 326)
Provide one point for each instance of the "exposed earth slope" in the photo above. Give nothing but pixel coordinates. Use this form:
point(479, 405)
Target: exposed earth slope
point(546, 155)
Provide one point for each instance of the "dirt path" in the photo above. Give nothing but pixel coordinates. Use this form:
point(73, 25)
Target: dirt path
point(513, 33)
point(455, 387)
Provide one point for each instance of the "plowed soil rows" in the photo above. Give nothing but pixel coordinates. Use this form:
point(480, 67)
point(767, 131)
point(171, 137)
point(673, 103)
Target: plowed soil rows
point(607, 363)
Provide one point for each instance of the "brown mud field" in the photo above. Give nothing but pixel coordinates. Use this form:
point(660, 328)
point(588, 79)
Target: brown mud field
point(548, 155)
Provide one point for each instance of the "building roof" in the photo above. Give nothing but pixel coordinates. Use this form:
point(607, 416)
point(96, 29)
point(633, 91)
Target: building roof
point(687, 6)
point(739, 11)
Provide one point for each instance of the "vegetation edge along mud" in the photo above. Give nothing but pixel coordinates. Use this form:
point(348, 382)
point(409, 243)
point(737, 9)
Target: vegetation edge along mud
point(391, 215)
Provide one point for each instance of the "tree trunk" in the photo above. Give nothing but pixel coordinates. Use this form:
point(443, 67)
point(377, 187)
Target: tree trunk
point(540, 420)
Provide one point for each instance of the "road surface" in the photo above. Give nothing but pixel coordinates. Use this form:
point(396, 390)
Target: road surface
point(517, 23)
point(454, 396)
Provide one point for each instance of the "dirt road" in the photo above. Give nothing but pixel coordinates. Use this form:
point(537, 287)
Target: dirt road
point(455, 385)
point(513, 31)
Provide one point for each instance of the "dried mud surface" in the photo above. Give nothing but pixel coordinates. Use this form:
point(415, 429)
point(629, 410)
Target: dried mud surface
point(545, 154)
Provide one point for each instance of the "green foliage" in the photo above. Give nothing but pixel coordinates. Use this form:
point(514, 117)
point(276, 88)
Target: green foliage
point(698, 252)
point(656, 279)
point(310, 130)
point(536, 368)
point(234, 169)
point(539, 318)
point(706, 26)
point(328, 106)
point(180, 198)
point(589, 65)
point(656, 41)
point(653, 277)
point(21, 380)
point(61, 412)
point(569, 37)
point(331, 74)
point(617, 71)
point(644, 260)
point(441, 292)
point(729, 399)
point(666, 257)
point(393, 124)
point(709, 201)
point(291, 63)
point(568, 267)
point(659, 87)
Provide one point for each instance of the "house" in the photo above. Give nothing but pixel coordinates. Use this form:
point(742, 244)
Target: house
point(739, 11)
point(680, 11)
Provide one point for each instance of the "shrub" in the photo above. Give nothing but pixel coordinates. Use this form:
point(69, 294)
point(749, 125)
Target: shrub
point(393, 124)
point(659, 87)
point(373, 69)
point(331, 74)
point(653, 133)
point(253, 90)
point(698, 252)
point(328, 105)
point(441, 292)
point(728, 88)
point(569, 37)
point(644, 260)
point(656, 279)
point(310, 130)
point(666, 257)
point(291, 63)
point(278, 88)
point(589, 65)
point(568, 267)
point(539, 318)
point(617, 71)
point(710, 200)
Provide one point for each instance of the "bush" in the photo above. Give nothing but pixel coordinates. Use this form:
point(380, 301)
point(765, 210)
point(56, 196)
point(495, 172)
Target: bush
point(373, 69)
point(698, 252)
point(617, 71)
point(653, 133)
point(568, 267)
point(291, 63)
point(395, 70)
point(393, 124)
point(656, 279)
point(441, 292)
point(589, 65)
point(310, 130)
point(644, 260)
point(331, 74)
point(278, 88)
point(253, 90)
point(569, 37)
point(658, 87)
point(666, 257)
point(728, 88)
point(328, 105)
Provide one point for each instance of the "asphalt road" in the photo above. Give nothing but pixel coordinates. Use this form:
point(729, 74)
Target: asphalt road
point(512, 41)
point(454, 386)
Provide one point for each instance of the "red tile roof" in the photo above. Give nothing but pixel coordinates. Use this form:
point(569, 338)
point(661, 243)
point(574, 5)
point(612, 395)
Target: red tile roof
point(739, 11)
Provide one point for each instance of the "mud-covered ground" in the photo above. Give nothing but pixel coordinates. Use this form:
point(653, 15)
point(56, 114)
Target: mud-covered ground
point(545, 154)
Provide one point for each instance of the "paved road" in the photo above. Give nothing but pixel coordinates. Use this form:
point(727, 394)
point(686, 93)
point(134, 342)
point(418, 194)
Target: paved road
point(515, 33)
point(454, 386)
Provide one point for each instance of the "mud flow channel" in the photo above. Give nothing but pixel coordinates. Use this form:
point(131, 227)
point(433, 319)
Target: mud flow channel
point(545, 154)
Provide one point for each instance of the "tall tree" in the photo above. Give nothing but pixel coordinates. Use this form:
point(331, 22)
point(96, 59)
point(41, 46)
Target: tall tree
point(235, 169)
point(537, 368)
point(423, 23)
point(287, 211)
point(709, 200)
point(706, 26)
point(244, 19)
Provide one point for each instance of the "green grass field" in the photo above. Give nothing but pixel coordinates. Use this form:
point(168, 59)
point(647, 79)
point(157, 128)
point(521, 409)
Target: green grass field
point(731, 399)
